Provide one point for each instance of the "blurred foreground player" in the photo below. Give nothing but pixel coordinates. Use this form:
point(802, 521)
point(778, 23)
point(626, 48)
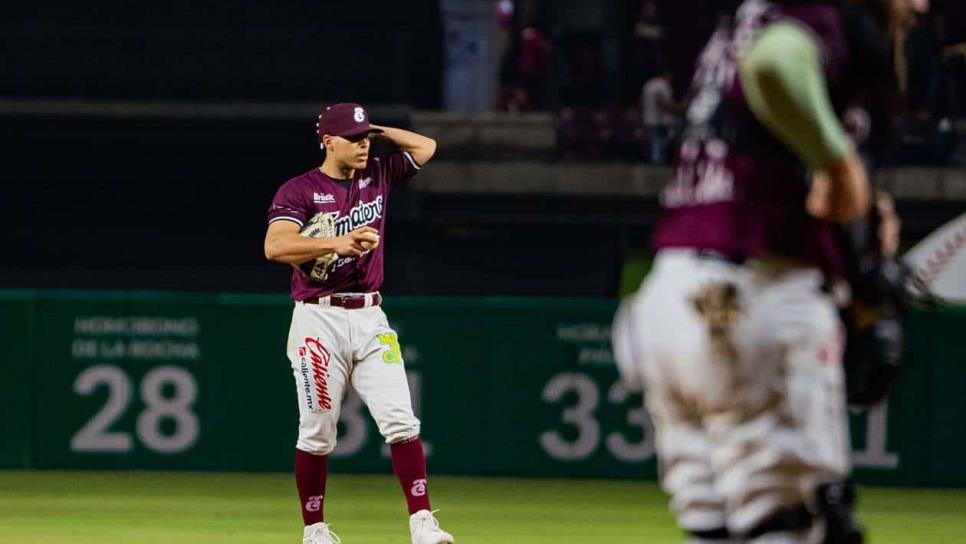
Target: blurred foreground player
point(735, 341)
point(327, 223)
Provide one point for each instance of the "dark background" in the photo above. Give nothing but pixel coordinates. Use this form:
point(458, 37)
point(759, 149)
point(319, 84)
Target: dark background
point(177, 201)
point(373, 51)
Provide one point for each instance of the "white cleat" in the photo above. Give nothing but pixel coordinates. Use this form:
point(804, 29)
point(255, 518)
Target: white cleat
point(319, 533)
point(424, 529)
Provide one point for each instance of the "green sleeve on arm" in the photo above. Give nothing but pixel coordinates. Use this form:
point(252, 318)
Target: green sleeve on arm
point(783, 82)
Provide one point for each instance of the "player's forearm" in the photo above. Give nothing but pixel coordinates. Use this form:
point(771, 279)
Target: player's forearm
point(291, 248)
point(422, 148)
point(841, 191)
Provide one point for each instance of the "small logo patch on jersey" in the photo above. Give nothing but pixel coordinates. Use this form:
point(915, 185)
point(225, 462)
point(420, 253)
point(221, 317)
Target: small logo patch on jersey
point(419, 488)
point(364, 182)
point(320, 198)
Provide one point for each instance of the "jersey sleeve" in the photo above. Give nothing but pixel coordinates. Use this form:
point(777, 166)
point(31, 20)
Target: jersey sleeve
point(288, 205)
point(400, 166)
point(783, 81)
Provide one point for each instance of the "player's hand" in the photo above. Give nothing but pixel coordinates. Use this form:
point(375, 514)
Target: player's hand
point(356, 242)
point(840, 191)
point(889, 224)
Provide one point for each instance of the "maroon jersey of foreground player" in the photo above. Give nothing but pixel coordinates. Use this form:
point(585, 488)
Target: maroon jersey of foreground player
point(738, 191)
point(357, 202)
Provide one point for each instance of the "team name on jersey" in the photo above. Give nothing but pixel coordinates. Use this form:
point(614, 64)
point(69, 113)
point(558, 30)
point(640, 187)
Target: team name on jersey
point(363, 214)
point(702, 176)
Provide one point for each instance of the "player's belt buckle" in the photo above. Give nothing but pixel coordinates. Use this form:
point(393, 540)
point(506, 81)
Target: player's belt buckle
point(355, 301)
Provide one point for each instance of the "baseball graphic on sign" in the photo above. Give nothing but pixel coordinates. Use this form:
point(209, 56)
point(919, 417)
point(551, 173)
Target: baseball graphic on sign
point(940, 260)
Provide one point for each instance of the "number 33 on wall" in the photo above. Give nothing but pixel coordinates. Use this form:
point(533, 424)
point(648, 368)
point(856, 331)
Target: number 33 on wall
point(96, 437)
point(583, 418)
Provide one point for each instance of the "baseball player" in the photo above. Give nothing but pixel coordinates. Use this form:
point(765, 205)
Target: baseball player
point(327, 224)
point(732, 336)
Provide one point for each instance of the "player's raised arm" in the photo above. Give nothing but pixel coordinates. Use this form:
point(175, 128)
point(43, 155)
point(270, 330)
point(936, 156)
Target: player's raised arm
point(785, 87)
point(421, 148)
point(284, 244)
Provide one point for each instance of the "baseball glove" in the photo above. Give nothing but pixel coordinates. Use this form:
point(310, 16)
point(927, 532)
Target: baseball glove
point(874, 325)
point(883, 290)
point(322, 225)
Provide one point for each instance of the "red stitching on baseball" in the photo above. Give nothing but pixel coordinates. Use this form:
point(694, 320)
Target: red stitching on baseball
point(942, 257)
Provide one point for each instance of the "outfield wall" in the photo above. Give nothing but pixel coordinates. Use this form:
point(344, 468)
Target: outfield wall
point(509, 387)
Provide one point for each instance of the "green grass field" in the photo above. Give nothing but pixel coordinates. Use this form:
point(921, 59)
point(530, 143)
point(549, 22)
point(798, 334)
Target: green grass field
point(188, 508)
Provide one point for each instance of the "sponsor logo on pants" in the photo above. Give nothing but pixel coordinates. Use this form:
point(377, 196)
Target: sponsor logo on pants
point(318, 365)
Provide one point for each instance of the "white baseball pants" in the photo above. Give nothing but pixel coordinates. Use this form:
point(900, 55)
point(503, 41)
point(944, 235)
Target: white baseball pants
point(745, 430)
point(332, 348)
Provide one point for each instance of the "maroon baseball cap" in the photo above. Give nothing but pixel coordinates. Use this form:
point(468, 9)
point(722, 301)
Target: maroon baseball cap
point(344, 119)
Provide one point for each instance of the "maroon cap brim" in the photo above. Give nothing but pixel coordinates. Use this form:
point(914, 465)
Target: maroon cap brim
point(355, 131)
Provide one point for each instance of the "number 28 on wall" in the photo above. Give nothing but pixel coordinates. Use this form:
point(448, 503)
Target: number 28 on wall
point(96, 437)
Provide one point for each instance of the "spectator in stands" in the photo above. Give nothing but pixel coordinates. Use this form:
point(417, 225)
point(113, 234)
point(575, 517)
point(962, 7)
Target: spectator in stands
point(933, 68)
point(513, 96)
point(587, 74)
point(945, 85)
point(649, 34)
point(659, 113)
point(526, 68)
point(536, 60)
point(955, 60)
point(921, 73)
point(646, 46)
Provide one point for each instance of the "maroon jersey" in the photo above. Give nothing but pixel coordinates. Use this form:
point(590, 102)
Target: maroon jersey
point(738, 190)
point(356, 202)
